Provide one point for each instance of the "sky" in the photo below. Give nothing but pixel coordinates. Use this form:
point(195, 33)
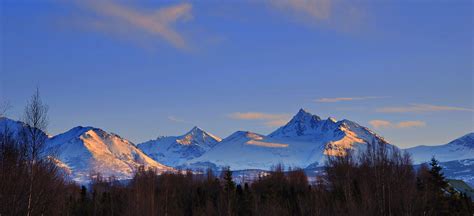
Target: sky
point(143, 69)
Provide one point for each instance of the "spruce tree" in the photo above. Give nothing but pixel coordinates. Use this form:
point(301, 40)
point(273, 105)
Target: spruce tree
point(439, 189)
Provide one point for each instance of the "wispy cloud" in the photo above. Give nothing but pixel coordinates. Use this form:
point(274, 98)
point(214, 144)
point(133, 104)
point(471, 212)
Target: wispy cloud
point(340, 99)
point(344, 15)
point(256, 115)
point(407, 124)
point(378, 124)
point(270, 120)
point(276, 123)
point(318, 9)
point(174, 119)
point(157, 22)
point(418, 108)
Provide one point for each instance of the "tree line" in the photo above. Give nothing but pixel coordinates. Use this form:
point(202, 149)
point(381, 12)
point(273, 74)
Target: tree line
point(381, 180)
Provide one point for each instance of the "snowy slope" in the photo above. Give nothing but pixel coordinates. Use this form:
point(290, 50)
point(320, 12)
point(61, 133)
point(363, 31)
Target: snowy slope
point(302, 142)
point(458, 149)
point(87, 150)
point(174, 150)
point(14, 128)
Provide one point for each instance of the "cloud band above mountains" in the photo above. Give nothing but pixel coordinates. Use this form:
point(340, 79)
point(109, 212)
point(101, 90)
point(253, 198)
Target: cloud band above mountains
point(340, 99)
point(270, 120)
point(379, 124)
point(418, 108)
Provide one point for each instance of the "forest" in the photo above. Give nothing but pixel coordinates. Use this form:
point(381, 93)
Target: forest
point(379, 181)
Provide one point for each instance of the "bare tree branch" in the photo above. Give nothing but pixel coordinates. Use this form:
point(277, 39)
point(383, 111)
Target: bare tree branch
point(4, 107)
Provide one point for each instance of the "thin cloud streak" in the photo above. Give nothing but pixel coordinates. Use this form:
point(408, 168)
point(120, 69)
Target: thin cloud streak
point(256, 115)
point(276, 123)
point(270, 120)
point(340, 99)
point(342, 15)
point(419, 108)
point(318, 9)
point(408, 124)
point(158, 22)
point(379, 124)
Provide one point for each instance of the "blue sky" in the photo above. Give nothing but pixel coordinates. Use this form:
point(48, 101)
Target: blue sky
point(147, 68)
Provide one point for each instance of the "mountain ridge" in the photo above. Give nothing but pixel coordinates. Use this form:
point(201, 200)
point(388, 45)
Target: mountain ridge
point(457, 149)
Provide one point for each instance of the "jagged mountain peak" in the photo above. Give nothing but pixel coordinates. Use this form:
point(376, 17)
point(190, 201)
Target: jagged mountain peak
point(198, 133)
point(304, 115)
point(198, 136)
point(303, 124)
point(196, 129)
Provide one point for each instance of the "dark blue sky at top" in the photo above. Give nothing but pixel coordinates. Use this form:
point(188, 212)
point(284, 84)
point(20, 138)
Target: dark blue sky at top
point(98, 68)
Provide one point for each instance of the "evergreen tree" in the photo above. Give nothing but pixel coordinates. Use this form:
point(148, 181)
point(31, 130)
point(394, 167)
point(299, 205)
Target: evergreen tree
point(438, 190)
point(229, 191)
point(438, 179)
point(229, 184)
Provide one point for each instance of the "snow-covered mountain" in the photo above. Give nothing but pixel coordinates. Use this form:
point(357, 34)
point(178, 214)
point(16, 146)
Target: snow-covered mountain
point(174, 150)
point(458, 149)
point(302, 142)
point(87, 150)
point(82, 151)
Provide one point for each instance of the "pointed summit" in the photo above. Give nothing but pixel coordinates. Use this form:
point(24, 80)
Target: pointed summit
point(301, 124)
point(304, 115)
point(302, 110)
point(196, 130)
point(197, 134)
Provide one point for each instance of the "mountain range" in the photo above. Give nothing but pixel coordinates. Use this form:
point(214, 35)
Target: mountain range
point(303, 142)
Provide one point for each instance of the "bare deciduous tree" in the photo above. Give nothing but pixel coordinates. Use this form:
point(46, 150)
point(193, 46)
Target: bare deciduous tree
point(33, 136)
